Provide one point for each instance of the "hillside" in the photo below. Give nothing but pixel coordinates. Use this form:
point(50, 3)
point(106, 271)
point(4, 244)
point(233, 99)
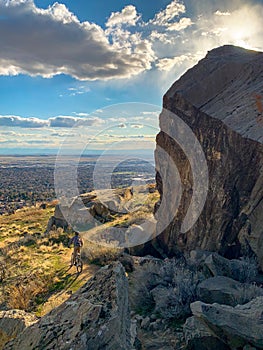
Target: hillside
point(34, 264)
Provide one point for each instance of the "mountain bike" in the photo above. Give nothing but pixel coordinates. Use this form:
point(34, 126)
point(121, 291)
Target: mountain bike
point(78, 262)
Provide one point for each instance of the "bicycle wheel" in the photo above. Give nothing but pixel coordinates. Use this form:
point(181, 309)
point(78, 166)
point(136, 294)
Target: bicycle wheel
point(79, 264)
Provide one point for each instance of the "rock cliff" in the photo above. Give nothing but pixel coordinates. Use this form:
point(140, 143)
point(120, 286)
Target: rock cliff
point(220, 99)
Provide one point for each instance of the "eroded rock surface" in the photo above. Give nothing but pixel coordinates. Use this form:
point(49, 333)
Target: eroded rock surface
point(95, 317)
point(219, 100)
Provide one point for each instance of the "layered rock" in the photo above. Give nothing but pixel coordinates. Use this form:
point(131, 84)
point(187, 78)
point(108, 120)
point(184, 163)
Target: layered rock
point(95, 317)
point(220, 100)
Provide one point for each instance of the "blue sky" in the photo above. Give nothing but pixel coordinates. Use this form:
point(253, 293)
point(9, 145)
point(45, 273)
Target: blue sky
point(95, 72)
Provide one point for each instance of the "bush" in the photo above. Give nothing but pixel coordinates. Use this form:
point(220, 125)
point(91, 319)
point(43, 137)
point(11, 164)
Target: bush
point(250, 291)
point(247, 270)
point(182, 290)
point(22, 294)
point(100, 254)
point(165, 287)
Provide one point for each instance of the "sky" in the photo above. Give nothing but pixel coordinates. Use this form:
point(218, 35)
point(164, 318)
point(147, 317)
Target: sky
point(90, 75)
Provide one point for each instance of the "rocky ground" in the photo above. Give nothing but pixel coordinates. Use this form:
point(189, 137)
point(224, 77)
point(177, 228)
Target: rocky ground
point(202, 302)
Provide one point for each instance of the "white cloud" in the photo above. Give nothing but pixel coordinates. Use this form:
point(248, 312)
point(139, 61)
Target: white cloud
point(137, 126)
point(167, 64)
point(127, 16)
point(16, 121)
point(61, 44)
point(69, 122)
point(219, 13)
point(174, 9)
point(54, 122)
point(182, 24)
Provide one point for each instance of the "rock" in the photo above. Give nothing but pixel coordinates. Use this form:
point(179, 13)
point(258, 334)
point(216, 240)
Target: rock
point(198, 336)
point(95, 317)
point(239, 270)
point(198, 256)
point(145, 322)
point(236, 326)
point(216, 99)
point(12, 323)
point(224, 290)
point(127, 262)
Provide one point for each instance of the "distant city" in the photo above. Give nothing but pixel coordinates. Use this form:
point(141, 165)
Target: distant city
point(29, 180)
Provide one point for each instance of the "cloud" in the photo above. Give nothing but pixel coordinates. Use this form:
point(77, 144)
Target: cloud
point(182, 24)
point(219, 13)
point(137, 126)
point(166, 64)
point(174, 9)
point(55, 122)
point(127, 16)
point(69, 122)
point(123, 126)
point(16, 121)
point(61, 44)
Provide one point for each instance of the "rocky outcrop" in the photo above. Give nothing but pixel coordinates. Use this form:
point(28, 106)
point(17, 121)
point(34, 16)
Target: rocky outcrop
point(235, 326)
point(12, 323)
point(240, 270)
point(95, 317)
point(220, 99)
point(224, 290)
point(87, 210)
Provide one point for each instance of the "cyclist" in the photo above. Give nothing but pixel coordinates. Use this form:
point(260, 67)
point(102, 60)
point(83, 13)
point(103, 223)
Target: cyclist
point(77, 243)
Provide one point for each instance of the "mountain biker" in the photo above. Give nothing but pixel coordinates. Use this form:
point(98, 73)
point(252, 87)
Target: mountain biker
point(77, 243)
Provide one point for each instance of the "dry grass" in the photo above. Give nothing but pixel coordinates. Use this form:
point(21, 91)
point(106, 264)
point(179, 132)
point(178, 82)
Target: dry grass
point(34, 267)
point(100, 254)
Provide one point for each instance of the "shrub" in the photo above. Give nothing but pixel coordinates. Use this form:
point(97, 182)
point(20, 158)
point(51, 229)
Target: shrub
point(181, 291)
point(22, 294)
point(100, 254)
point(246, 270)
point(250, 291)
point(167, 287)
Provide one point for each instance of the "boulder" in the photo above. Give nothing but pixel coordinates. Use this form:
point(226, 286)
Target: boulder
point(236, 326)
point(198, 256)
point(224, 290)
point(240, 270)
point(217, 100)
point(12, 323)
point(198, 336)
point(95, 317)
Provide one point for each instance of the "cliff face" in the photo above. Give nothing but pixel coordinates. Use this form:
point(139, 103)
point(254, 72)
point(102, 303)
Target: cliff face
point(221, 100)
